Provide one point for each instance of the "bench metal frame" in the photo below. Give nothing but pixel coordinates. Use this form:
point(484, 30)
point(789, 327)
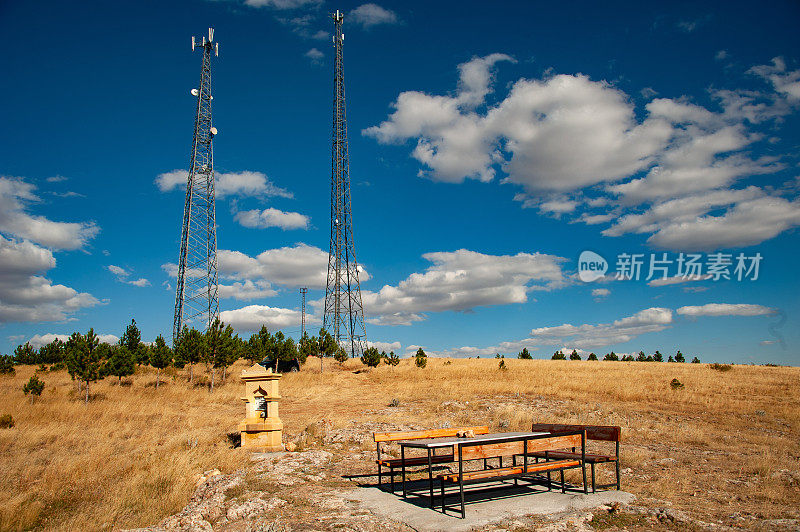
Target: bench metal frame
point(524, 474)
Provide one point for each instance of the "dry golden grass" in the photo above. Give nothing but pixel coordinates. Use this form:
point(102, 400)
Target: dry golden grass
point(130, 457)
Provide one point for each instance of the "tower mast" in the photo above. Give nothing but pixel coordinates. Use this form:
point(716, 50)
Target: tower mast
point(344, 313)
point(196, 296)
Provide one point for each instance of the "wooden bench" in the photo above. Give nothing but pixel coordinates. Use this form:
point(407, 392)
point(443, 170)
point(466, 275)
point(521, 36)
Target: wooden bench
point(523, 446)
point(392, 463)
point(593, 432)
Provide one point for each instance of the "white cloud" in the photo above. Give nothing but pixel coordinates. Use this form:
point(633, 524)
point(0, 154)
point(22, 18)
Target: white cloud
point(397, 318)
point(684, 224)
point(385, 346)
point(252, 317)
point(122, 276)
point(600, 293)
point(298, 265)
point(462, 280)
point(247, 290)
point(785, 83)
point(226, 184)
point(369, 15)
point(726, 309)
point(38, 340)
point(315, 55)
point(272, 218)
point(25, 294)
point(678, 279)
point(15, 197)
point(565, 133)
point(282, 4)
point(56, 179)
point(588, 336)
point(118, 271)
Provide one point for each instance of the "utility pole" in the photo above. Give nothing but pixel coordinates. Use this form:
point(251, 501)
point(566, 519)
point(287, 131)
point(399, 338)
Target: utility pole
point(344, 312)
point(303, 292)
point(196, 295)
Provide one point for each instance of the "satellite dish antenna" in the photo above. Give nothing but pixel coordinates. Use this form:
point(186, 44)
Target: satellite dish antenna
point(194, 92)
point(213, 131)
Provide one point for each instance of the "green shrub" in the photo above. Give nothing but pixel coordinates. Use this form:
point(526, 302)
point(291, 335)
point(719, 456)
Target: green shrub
point(6, 421)
point(720, 367)
point(675, 384)
point(34, 386)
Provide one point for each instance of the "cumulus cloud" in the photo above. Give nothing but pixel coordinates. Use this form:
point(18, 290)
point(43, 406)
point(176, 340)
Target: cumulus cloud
point(282, 4)
point(272, 218)
point(247, 290)
point(726, 309)
point(298, 265)
point(226, 184)
point(462, 280)
point(678, 279)
point(588, 336)
point(25, 294)
point(385, 346)
point(600, 293)
point(563, 135)
point(38, 340)
point(16, 196)
point(369, 15)
point(314, 55)
point(252, 317)
point(122, 276)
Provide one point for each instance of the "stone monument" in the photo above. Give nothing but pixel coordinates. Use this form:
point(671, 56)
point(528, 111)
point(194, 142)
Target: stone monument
point(262, 429)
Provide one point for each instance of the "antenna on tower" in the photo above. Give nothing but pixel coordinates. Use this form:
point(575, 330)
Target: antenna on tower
point(303, 292)
point(344, 312)
point(196, 296)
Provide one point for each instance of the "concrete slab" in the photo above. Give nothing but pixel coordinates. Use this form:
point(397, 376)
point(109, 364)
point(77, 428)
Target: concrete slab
point(485, 504)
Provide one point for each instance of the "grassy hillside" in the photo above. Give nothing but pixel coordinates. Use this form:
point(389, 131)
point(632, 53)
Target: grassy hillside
point(130, 457)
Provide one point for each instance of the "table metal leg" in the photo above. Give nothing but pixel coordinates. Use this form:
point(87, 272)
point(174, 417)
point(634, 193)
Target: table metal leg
point(430, 477)
point(403, 468)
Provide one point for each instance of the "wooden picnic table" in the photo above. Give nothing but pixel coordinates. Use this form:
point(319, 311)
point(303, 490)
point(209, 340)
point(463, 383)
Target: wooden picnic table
point(431, 444)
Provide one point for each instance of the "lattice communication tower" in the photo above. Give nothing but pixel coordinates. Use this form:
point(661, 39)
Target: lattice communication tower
point(196, 296)
point(344, 312)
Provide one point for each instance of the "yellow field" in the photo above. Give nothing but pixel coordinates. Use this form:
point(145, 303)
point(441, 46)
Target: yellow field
point(130, 457)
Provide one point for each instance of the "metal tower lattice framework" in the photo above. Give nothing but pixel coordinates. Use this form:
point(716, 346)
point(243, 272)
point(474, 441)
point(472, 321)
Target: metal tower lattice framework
point(303, 292)
point(344, 312)
point(196, 296)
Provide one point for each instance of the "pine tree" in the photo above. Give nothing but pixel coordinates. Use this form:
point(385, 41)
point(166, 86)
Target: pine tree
point(327, 346)
point(641, 357)
point(695, 360)
point(421, 359)
point(679, 357)
point(574, 355)
point(371, 357)
point(524, 354)
point(34, 386)
point(658, 357)
point(308, 347)
point(558, 355)
point(120, 363)
point(592, 356)
point(160, 357)
point(260, 346)
point(86, 359)
point(612, 356)
point(341, 355)
point(392, 359)
point(190, 349)
point(132, 339)
point(6, 365)
point(25, 354)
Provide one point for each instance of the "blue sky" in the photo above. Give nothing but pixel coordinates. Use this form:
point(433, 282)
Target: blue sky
point(489, 148)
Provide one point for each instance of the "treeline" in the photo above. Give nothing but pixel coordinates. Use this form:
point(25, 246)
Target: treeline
point(612, 356)
point(87, 360)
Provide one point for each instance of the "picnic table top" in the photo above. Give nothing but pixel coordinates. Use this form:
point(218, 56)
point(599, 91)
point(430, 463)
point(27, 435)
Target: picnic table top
point(497, 437)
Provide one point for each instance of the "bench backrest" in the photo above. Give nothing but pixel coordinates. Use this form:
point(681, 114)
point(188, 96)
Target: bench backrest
point(471, 451)
point(422, 434)
point(593, 432)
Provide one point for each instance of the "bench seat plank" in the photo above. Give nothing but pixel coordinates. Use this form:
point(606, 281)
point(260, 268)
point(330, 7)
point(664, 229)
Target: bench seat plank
point(590, 457)
point(416, 461)
point(511, 471)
